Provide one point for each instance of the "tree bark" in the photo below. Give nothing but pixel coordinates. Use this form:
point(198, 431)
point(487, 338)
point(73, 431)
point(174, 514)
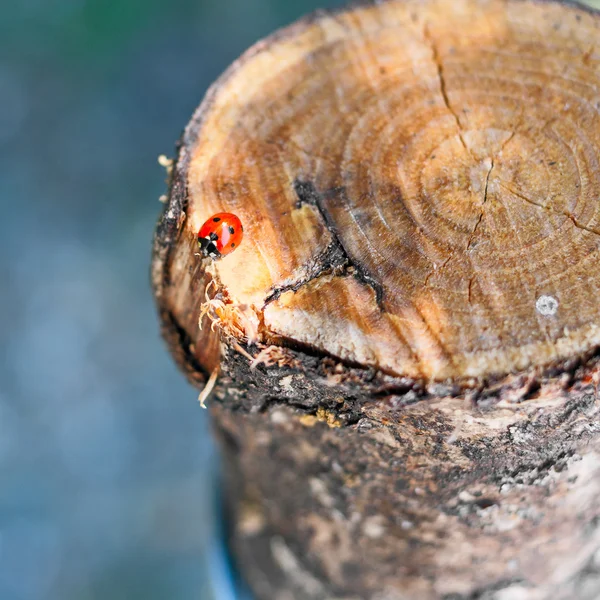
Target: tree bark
point(406, 339)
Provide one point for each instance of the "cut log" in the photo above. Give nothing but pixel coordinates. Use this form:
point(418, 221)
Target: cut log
point(406, 340)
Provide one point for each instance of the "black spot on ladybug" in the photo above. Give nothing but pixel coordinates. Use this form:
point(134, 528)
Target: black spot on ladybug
point(216, 219)
point(231, 230)
point(232, 245)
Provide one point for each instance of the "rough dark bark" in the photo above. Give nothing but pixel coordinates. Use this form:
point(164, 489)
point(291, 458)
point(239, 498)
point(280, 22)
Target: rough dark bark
point(350, 478)
point(370, 488)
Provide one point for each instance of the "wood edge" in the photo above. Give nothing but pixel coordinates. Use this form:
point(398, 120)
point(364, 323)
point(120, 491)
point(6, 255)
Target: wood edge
point(166, 235)
point(310, 382)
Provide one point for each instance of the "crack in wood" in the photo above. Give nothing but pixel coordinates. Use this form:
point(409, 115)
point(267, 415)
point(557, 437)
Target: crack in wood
point(436, 269)
point(485, 198)
point(470, 289)
point(551, 210)
point(472, 235)
point(331, 260)
point(335, 257)
point(442, 81)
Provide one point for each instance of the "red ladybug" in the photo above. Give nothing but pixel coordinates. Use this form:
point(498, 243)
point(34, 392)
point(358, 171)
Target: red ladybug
point(220, 235)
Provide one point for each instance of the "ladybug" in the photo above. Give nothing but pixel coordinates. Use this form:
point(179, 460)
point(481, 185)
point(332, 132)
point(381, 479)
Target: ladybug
point(220, 235)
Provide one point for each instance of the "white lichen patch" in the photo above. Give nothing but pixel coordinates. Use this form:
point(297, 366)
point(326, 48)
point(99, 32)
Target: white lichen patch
point(546, 305)
point(286, 383)
point(291, 565)
point(320, 492)
point(374, 527)
point(279, 417)
point(251, 519)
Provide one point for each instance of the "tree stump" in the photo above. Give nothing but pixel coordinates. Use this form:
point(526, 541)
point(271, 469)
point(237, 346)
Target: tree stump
point(406, 340)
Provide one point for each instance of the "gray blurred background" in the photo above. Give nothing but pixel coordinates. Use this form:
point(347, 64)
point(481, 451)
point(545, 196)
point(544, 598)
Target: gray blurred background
point(106, 465)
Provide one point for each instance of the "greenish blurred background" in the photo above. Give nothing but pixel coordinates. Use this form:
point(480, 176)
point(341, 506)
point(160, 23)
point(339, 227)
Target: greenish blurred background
point(106, 465)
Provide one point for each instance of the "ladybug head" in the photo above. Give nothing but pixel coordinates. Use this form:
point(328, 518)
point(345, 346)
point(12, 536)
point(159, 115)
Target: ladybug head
point(208, 246)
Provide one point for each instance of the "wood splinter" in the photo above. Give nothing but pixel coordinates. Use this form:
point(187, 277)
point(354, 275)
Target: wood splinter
point(408, 337)
point(208, 388)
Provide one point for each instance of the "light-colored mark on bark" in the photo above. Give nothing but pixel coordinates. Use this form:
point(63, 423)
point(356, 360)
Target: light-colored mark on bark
point(374, 527)
point(290, 564)
point(319, 490)
point(286, 383)
point(546, 305)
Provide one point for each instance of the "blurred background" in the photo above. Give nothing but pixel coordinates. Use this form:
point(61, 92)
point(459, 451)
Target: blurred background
point(106, 465)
